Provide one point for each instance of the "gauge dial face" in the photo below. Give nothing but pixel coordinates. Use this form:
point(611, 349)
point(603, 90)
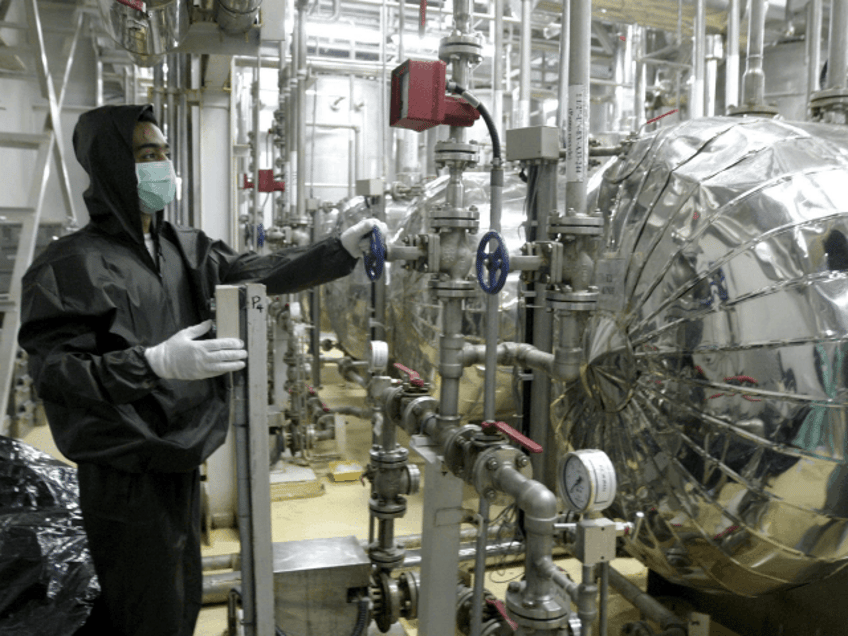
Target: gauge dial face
point(578, 483)
point(587, 480)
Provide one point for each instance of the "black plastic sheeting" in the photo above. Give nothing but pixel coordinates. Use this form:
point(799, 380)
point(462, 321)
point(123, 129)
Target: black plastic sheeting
point(47, 579)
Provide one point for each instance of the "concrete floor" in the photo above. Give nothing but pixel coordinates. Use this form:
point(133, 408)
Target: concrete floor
point(341, 509)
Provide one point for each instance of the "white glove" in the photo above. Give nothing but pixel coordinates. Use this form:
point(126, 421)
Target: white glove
point(357, 238)
point(182, 357)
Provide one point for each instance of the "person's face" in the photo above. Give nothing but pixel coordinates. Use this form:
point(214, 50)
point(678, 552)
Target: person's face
point(149, 143)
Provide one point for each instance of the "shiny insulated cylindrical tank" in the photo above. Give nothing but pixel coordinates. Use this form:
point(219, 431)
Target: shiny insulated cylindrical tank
point(413, 320)
point(715, 372)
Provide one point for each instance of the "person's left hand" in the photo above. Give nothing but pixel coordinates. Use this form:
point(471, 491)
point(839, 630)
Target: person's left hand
point(357, 238)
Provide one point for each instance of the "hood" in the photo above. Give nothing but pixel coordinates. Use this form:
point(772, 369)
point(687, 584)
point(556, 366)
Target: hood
point(103, 146)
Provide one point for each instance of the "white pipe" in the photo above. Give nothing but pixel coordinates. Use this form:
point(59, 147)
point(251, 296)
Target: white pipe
point(731, 87)
point(754, 81)
point(696, 107)
point(814, 32)
point(498, 69)
point(837, 56)
point(523, 115)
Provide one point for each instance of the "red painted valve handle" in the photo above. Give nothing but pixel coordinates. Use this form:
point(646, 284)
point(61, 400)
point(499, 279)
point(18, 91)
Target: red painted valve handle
point(502, 611)
point(414, 378)
point(515, 436)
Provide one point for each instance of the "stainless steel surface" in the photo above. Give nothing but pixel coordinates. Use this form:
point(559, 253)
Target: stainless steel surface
point(813, 37)
point(147, 36)
point(414, 320)
point(731, 73)
point(715, 374)
point(313, 580)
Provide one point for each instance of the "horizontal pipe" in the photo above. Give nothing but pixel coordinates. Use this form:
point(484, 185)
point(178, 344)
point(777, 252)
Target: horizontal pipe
point(511, 353)
point(216, 587)
point(644, 602)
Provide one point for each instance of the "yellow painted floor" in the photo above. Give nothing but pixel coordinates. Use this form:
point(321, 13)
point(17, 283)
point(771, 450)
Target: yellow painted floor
point(342, 510)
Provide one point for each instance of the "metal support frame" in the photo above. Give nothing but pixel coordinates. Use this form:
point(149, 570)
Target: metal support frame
point(47, 144)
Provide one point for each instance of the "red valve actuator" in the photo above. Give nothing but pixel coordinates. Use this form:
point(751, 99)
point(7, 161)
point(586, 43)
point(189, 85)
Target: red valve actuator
point(522, 440)
point(419, 101)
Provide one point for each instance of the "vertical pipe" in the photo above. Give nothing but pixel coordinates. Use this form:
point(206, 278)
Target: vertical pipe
point(523, 119)
point(158, 91)
point(814, 30)
point(640, 82)
point(699, 43)
point(837, 55)
point(603, 607)
point(578, 105)
point(185, 146)
point(731, 88)
point(480, 569)
point(171, 211)
point(711, 77)
point(255, 213)
point(754, 81)
point(562, 95)
point(498, 69)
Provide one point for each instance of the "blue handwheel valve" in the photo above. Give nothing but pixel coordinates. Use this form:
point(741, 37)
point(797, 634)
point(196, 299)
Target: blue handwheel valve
point(376, 256)
point(495, 263)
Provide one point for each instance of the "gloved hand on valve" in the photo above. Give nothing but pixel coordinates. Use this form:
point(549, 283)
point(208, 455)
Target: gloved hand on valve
point(357, 238)
point(183, 357)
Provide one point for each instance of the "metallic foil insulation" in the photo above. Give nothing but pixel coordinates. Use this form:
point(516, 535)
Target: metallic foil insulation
point(715, 372)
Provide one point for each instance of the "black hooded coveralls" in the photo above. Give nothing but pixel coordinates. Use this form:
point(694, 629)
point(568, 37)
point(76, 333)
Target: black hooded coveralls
point(92, 302)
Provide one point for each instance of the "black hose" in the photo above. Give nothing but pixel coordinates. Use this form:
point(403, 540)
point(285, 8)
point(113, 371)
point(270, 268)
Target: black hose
point(484, 113)
point(362, 619)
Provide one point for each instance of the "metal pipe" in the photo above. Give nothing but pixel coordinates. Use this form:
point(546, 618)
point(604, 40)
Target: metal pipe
point(814, 34)
point(498, 68)
point(603, 606)
point(642, 601)
point(754, 81)
point(696, 109)
point(523, 115)
point(837, 55)
point(731, 87)
point(577, 159)
point(562, 91)
point(479, 569)
point(586, 609)
point(257, 107)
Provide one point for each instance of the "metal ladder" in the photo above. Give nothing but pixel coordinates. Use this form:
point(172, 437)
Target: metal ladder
point(45, 144)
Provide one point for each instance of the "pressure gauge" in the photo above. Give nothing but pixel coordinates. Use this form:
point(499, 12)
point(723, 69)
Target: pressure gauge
point(586, 480)
point(378, 357)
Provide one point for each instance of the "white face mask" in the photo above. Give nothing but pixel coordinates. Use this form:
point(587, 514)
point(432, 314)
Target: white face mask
point(157, 185)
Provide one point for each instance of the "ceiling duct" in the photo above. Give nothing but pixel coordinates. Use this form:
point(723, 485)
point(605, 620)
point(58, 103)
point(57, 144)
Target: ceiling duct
point(146, 29)
point(236, 16)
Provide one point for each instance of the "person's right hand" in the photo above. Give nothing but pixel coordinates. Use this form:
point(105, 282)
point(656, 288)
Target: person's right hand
point(182, 357)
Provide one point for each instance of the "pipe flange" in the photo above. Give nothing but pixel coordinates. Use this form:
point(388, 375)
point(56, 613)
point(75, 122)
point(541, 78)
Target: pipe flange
point(454, 448)
point(753, 110)
point(830, 105)
point(577, 225)
point(386, 597)
point(382, 458)
point(585, 300)
point(452, 151)
point(487, 464)
point(454, 288)
point(456, 220)
point(409, 420)
point(545, 613)
point(459, 46)
point(383, 509)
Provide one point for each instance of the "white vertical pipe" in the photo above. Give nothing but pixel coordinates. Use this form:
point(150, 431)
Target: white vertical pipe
point(696, 107)
point(579, 63)
point(640, 82)
point(837, 55)
point(754, 81)
point(731, 88)
point(524, 79)
point(813, 35)
point(498, 69)
point(562, 96)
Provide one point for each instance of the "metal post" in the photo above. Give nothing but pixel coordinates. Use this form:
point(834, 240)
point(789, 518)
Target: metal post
point(498, 69)
point(640, 82)
point(562, 96)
